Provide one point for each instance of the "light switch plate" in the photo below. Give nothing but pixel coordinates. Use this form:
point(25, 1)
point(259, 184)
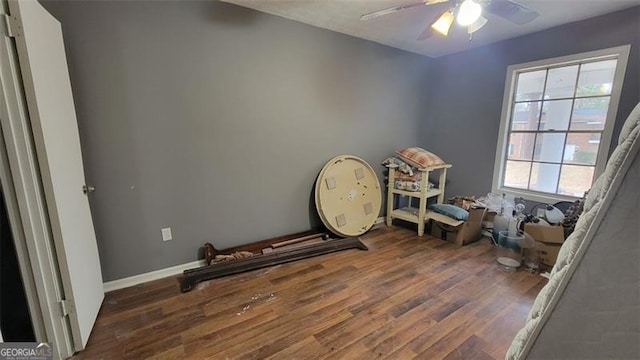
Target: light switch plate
point(166, 234)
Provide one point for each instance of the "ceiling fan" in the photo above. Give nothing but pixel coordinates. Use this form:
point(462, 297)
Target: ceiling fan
point(466, 13)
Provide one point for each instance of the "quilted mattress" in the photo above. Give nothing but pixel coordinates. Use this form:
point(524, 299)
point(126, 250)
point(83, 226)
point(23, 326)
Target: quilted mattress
point(590, 308)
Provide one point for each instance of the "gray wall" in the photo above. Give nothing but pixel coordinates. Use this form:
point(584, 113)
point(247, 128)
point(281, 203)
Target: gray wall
point(465, 105)
point(214, 120)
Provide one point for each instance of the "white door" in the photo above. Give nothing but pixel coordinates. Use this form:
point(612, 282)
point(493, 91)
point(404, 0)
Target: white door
point(47, 87)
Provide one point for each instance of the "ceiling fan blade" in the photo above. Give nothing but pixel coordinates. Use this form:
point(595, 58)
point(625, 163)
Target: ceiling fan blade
point(426, 33)
point(393, 9)
point(514, 12)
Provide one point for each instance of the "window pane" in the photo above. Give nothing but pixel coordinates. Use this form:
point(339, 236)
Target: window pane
point(582, 148)
point(590, 113)
point(530, 85)
point(596, 78)
point(549, 147)
point(516, 174)
point(575, 180)
point(521, 146)
point(525, 116)
point(561, 82)
point(544, 177)
point(556, 115)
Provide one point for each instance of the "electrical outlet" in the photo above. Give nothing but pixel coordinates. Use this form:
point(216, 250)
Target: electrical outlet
point(166, 234)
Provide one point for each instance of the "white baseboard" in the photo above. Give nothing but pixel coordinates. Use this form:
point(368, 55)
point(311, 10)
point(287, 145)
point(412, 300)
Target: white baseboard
point(163, 273)
point(150, 276)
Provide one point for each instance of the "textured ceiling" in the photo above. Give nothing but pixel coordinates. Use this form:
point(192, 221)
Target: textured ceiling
point(401, 29)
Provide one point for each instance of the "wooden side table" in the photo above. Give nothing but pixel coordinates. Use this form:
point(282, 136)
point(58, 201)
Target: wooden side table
point(411, 214)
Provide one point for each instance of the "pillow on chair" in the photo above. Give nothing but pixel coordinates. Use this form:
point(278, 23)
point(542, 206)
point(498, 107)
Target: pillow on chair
point(419, 157)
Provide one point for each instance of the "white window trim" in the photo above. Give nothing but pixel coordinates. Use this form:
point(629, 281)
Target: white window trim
point(622, 54)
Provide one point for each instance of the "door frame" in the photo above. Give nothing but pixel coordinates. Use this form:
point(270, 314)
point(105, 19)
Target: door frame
point(26, 205)
point(17, 235)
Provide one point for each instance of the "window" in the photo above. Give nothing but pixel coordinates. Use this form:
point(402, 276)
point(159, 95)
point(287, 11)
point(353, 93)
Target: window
point(556, 125)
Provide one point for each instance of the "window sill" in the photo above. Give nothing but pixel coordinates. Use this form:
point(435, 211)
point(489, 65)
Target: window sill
point(540, 197)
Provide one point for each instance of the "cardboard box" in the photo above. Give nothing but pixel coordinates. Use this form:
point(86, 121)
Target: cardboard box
point(466, 233)
point(549, 234)
point(548, 252)
point(548, 239)
point(489, 216)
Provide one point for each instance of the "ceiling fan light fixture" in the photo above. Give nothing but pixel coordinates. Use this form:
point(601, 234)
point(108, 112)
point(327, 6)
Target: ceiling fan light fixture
point(443, 23)
point(475, 26)
point(468, 12)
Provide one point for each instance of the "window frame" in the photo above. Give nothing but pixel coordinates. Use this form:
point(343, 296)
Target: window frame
point(621, 53)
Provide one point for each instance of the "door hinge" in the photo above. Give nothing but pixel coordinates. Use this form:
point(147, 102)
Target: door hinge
point(10, 26)
point(66, 307)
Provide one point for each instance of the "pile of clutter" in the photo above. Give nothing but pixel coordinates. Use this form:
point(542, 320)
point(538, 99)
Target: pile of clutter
point(509, 212)
point(408, 178)
point(504, 212)
point(231, 257)
point(542, 230)
point(571, 216)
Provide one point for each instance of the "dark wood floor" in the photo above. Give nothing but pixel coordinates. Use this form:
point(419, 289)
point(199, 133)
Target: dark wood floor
point(407, 297)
